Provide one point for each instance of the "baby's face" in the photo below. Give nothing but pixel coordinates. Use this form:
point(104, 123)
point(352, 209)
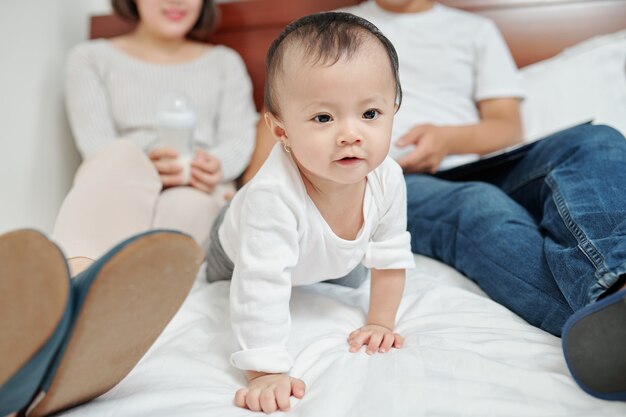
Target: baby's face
point(337, 119)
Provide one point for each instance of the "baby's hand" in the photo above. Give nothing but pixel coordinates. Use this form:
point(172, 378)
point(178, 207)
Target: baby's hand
point(269, 393)
point(376, 338)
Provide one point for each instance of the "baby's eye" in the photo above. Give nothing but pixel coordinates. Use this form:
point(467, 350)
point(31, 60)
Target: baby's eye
point(371, 114)
point(322, 118)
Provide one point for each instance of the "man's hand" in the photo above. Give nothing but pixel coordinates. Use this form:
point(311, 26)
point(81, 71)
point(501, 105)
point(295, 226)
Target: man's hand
point(377, 338)
point(431, 146)
point(206, 172)
point(170, 171)
point(269, 392)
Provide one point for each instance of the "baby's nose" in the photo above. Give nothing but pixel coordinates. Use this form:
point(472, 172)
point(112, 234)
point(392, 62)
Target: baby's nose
point(349, 139)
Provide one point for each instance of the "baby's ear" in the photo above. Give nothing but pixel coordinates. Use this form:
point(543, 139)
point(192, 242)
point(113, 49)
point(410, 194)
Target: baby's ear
point(275, 126)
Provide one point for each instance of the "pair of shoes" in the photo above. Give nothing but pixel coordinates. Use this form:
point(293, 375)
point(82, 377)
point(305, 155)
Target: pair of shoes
point(65, 341)
point(594, 342)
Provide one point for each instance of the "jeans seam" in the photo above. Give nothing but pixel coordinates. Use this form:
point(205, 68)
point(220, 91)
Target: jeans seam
point(584, 243)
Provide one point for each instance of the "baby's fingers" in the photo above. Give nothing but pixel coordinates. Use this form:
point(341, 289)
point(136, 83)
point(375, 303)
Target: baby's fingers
point(282, 398)
point(387, 342)
point(298, 387)
point(375, 340)
point(267, 401)
point(355, 345)
point(252, 400)
point(357, 340)
point(240, 397)
point(399, 341)
point(353, 334)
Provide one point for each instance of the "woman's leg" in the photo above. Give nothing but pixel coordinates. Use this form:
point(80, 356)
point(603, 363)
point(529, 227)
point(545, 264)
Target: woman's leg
point(113, 197)
point(190, 210)
point(35, 295)
point(146, 278)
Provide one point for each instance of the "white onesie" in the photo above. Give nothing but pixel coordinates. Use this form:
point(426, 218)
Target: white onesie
point(277, 239)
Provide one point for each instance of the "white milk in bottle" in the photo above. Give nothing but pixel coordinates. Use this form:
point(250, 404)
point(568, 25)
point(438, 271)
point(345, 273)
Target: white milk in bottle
point(176, 120)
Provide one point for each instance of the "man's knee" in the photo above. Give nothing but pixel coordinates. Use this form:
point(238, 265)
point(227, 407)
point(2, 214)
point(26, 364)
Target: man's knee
point(590, 139)
point(464, 204)
point(605, 138)
point(466, 213)
point(425, 191)
point(480, 203)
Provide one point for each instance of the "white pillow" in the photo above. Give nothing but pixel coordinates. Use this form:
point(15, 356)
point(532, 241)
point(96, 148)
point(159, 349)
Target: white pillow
point(584, 82)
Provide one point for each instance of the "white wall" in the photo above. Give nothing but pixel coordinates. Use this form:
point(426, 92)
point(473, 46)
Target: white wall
point(39, 158)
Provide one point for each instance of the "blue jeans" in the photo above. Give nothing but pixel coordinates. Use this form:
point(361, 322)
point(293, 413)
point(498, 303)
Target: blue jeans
point(543, 234)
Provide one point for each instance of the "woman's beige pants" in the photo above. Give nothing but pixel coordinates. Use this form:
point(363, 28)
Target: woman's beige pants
point(117, 193)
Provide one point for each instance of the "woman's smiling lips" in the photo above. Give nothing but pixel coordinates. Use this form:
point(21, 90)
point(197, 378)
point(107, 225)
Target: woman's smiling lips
point(174, 15)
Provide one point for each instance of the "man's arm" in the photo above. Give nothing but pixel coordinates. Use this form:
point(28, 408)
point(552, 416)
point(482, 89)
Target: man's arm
point(499, 127)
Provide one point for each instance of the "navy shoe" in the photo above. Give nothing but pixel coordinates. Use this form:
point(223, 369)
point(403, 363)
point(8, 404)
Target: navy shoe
point(35, 312)
point(594, 345)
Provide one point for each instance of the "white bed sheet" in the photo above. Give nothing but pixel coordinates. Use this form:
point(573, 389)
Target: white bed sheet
point(465, 355)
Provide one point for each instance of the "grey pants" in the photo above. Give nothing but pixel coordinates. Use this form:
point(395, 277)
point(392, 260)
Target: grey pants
point(220, 267)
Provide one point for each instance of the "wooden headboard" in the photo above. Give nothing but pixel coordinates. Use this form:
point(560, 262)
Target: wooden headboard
point(534, 29)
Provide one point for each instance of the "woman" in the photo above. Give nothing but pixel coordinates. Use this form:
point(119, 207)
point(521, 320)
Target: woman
point(129, 182)
point(66, 341)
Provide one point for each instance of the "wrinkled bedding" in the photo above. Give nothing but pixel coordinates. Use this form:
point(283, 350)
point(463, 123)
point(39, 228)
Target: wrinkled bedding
point(465, 355)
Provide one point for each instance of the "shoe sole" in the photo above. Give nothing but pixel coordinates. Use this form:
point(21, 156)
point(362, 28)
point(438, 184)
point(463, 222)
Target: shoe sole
point(129, 303)
point(593, 343)
point(34, 291)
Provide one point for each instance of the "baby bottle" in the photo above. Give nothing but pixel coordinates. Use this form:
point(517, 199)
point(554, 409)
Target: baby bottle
point(176, 120)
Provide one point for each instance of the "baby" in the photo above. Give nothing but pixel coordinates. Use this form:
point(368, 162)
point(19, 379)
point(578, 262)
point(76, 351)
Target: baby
point(327, 199)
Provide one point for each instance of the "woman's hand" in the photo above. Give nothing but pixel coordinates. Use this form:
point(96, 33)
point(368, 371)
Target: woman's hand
point(269, 392)
point(206, 171)
point(377, 338)
point(170, 171)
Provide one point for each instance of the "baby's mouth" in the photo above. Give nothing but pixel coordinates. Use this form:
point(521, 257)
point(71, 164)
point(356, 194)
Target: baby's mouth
point(349, 160)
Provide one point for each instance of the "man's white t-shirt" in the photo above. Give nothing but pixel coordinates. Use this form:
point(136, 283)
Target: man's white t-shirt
point(449, 60)
point(276, 238)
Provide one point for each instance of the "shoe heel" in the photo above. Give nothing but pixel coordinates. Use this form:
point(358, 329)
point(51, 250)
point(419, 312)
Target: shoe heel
point(593, 345)
point(34, 313)
point(122, 304)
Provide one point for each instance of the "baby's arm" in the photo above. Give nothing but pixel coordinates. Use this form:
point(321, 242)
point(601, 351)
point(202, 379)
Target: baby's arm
point(387, 286)
point(269, 392)
point(260, 291)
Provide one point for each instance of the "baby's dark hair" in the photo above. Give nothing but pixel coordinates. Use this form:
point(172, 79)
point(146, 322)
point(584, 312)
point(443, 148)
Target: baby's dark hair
point(323, 38)
point(206, 23)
